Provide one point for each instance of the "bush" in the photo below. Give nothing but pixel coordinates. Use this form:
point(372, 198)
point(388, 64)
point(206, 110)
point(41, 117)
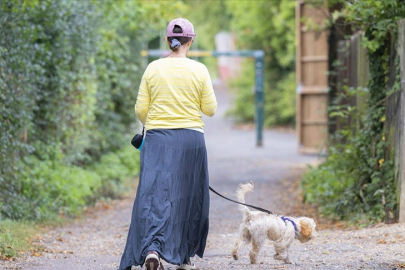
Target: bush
point(356, 181)
point(46, 98)
point(340, 190)
point(50, 189)
point(115, 169)
point(69, 71)
point(331, 185)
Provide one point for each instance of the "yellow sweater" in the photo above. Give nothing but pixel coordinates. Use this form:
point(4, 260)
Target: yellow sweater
point(173, 93)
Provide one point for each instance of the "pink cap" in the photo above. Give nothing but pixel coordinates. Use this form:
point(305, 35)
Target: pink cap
point(186, 26)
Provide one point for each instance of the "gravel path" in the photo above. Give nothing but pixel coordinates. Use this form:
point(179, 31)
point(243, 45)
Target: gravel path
point(96, 240)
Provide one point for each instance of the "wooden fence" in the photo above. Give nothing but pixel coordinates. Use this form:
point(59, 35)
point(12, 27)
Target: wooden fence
point(353, 72)
point(312, 79)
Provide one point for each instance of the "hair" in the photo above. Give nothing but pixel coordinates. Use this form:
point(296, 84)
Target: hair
point(183, 40)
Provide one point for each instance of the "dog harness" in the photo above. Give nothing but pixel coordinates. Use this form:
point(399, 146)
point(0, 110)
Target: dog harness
point(285, 219)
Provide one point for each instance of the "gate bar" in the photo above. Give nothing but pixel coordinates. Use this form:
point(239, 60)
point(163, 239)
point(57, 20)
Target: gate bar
point(259, 71)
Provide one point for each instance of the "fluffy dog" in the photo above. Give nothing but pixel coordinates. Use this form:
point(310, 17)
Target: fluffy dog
point(257, 226)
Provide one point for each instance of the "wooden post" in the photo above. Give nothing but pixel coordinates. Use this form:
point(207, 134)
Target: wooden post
point(362, 73)
point(298, 5)
point(401, 129)
point(311, 78)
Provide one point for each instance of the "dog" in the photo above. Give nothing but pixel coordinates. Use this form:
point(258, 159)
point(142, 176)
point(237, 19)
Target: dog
point(257, 226)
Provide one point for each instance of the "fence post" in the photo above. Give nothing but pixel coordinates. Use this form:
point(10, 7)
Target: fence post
point(401, 128)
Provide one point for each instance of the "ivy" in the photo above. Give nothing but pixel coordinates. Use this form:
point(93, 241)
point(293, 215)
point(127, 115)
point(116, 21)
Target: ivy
point(377, 17)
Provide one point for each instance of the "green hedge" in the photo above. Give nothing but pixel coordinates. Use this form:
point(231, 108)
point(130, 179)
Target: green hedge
point(69, 73)
point(49, 189)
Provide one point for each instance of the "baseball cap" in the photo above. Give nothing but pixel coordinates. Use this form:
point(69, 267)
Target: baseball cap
point(186, 26)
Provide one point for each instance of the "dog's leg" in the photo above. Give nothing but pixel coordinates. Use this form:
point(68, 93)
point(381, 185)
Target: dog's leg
point(244, 235)
point(282, 253)
point(235, 249)
point(287, 259)
point(278, 251)
point(254, 252)
point(282, 244)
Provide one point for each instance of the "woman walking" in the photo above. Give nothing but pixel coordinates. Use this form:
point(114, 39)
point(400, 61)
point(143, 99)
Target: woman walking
point(170, 213)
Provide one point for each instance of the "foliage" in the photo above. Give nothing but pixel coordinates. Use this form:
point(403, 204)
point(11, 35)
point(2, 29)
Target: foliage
point(257, 25)
point(329, 186)
point(54, 65)
point(124, 27)
point(378, 17)
point(268, 26)
point(69, 71)
point(208, 18)
point(357, 179)
point(352, 183)
point(280, 107)
point(50, 188)
point(16, 102)
point(46, 44)
point(115, 170)
point(243, 109)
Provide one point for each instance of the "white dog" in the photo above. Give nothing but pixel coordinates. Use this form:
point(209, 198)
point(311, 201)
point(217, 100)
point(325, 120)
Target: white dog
point(257, 226)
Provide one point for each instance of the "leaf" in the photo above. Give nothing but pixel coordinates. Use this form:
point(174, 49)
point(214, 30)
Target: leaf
point(382, 241)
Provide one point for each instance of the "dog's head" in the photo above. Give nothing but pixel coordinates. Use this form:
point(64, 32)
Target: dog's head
point(307, 229)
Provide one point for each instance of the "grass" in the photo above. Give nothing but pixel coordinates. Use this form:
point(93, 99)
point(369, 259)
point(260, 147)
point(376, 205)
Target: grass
point(16, 237)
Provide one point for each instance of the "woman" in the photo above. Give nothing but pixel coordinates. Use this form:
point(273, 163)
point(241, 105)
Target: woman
point(170, 214)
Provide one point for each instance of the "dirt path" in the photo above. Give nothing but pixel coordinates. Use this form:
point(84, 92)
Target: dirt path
point(97, 240)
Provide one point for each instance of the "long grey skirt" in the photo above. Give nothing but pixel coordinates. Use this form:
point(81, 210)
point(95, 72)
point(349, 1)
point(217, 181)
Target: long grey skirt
point(170, 213)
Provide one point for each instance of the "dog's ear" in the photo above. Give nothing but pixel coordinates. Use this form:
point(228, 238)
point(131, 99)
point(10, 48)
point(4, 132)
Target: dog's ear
point(306, 228)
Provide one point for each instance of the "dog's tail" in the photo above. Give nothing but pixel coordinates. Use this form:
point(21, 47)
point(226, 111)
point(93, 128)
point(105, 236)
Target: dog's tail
point(240, 194)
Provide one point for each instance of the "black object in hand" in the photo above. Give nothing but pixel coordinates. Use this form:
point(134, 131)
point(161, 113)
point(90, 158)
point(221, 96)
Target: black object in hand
point(137, 140)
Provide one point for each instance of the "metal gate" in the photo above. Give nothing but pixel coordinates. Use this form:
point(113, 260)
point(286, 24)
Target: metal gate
point(258, 55)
